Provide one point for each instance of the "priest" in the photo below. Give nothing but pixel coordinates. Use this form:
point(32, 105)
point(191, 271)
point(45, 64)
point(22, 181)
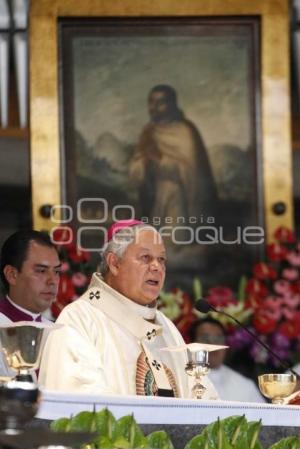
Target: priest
point(111, 339)
point(30, 270)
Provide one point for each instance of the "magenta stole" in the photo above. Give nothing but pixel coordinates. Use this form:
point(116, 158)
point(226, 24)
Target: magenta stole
point(13, 313)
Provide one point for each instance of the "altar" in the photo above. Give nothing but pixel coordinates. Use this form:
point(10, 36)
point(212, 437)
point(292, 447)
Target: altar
point(181, 418)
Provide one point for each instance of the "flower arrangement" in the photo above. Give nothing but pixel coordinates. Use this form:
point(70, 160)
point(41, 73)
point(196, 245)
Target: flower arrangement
point(178, 306)
point(76, 270)
point(268, 303)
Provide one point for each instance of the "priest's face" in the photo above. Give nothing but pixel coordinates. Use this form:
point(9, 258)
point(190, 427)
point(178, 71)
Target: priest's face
point(140, 273)
point(35, 286)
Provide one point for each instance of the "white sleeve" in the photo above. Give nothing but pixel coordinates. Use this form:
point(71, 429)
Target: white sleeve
point(72, 362)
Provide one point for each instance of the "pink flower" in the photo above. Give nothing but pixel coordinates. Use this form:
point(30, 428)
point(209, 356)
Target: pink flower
point(79, 279)
point(291, 300)
point(288, 313)
point(65, 266)
point(291, 274)
point(282, 286)
point(293, 258)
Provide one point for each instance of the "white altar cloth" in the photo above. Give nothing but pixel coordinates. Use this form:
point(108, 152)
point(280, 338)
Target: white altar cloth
point(154, 410)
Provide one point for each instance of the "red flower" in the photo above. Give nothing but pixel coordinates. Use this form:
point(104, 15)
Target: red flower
point(78, 256)
point(253, 302)
point(256, 288)
point(263, 323)
point(183, 324)
point(220, 296)
point(284, 235)
point(66, 290)
point(276, 252)
point(264, 271)
point(272, 307)
point(296, 287)
point(291, 328)
point(56, 308)
point(63, 236)
point(65, 295)
point(187, 305)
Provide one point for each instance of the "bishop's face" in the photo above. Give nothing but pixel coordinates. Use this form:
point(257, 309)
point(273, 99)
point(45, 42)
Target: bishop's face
point(140, 273)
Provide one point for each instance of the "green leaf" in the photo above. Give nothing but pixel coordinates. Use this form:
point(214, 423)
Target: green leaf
point(159, 440)
point(215, 436)
point(122, 443)
point(253, 432)
point(60, 425)
point(83, 422)
point(287, 443)
point(231, 426)
point(197, 442)
point(197, 288)
point(127, 427)
point(242, 289)
point(104, 423)
point(235, 428)
point(103, 442)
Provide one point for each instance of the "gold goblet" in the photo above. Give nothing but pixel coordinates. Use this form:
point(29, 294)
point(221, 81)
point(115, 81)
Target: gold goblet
point(277, 386)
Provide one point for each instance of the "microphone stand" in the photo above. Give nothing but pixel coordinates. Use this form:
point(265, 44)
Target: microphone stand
point(255, 337)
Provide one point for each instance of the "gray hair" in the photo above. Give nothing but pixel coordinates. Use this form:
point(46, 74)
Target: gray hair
point(120, 242)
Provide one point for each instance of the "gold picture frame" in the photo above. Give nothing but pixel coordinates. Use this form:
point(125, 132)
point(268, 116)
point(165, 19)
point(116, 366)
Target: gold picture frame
point(45, 116)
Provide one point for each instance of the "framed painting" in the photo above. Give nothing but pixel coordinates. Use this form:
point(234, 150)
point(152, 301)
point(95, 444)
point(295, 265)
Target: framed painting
point(166, 115)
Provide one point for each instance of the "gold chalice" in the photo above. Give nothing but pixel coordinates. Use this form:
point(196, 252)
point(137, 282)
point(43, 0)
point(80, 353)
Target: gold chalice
point(277, 386)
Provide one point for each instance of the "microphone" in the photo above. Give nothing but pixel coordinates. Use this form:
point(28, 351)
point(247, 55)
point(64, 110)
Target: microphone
point(204, 307)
